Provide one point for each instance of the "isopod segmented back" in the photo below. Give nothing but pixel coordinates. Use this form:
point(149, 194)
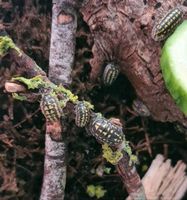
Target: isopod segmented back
point(50, 107)
point(82, 114)
point(105, 131)
point(167, 24)
point(110, 73)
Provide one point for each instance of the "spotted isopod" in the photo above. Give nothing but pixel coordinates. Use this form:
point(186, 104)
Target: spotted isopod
point(167, 24)
point(105, 131)
point(110, 73)
point(82, 114)
point(50, 107)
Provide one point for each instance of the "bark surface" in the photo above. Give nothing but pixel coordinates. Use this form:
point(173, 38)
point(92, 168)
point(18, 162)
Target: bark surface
point(122, 33)
point(62, 50)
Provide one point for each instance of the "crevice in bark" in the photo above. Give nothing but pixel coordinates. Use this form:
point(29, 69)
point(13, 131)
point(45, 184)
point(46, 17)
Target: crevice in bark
point(125, 35)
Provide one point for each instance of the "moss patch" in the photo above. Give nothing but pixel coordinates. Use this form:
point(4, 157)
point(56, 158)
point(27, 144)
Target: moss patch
point(6, 43)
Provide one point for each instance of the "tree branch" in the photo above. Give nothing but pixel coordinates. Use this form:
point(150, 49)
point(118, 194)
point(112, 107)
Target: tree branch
point(62, 51)
point(131, 178)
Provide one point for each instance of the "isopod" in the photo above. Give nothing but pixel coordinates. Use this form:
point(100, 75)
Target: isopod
point(50, 107)
point(105, 131)
point(167, 24)
point(82, 114)
point(140, 108)
point(110, 73)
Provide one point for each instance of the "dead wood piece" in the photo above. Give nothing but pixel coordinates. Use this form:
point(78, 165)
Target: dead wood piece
point(14, 87)
point(163, 181)
point(122, 33)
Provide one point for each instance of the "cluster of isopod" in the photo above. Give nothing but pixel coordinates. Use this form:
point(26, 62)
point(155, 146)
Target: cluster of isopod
point(165, 26)
point(101, 128)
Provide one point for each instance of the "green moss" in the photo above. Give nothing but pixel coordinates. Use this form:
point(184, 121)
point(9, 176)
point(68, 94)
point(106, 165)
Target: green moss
point(6, 43)
point(128, 150)
point(111, 156)
point(107, 170)
point(99, 191)
point(19, 97)
point(95, 191)
point(89, 105)
point(144, 168)
point(63, 103)
point(38, 82)
point(73, 98)
point(33, 83)
point(115, 156)
point(90, 190)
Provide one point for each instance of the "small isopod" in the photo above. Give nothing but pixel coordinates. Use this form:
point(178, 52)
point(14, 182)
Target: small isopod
point(110, 73)
point(82, 114)
point(50, 107)
point(140, 108)
point(105, 131)
point(167, 24)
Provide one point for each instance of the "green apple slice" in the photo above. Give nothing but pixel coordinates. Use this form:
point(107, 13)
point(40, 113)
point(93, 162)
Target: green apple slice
point(174, 65)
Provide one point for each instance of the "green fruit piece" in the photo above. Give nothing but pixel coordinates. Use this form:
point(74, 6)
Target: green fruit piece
point(174, 65)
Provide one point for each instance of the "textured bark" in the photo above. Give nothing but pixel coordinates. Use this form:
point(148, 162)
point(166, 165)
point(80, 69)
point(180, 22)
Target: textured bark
point(54, 170)
point(122, 33)
point(26, 65)
point(62, 50)
point(131, 178)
